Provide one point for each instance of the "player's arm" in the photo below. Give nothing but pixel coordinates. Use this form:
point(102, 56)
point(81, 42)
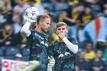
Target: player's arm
point(26, 29)
point(31, 66)
point(72, 47)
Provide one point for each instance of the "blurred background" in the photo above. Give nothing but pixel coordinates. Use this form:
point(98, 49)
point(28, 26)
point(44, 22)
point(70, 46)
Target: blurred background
point(87, 25)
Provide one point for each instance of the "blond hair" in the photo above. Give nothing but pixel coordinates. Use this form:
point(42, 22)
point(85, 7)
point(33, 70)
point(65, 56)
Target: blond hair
point(59, 24)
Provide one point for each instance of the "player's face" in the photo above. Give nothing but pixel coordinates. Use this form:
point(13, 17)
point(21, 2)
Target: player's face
point(45, 24)
point(62, 29)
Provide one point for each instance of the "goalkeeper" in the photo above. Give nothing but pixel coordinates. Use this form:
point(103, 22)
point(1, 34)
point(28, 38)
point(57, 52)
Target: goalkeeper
point(37, 40)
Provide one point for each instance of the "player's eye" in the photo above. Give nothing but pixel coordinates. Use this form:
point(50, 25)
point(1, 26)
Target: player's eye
point(48, 23)
point(61, 28)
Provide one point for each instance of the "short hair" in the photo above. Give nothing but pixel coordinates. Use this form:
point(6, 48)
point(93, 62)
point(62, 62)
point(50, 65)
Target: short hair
point(59, 24)
point(42, 17)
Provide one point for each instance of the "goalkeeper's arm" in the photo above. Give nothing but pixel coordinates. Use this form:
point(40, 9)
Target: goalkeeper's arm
point(32, 65)
point(26, 29)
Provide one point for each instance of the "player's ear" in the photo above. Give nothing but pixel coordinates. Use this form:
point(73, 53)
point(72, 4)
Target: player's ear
point(66, 30)
point(38, 19)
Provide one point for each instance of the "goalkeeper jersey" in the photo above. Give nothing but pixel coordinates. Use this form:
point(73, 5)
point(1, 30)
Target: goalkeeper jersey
point(38, 44)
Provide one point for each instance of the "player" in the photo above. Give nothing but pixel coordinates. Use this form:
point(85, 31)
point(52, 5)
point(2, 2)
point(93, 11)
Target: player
point(63, 50)
point(37, 39)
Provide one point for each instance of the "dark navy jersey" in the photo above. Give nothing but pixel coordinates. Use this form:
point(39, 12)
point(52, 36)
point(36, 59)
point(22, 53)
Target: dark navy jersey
point(38, 44)
point(63, 56)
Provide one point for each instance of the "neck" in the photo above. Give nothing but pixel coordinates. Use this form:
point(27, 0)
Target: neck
point(38, 28)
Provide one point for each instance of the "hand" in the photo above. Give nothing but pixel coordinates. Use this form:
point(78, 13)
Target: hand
point(51, 62)
point(61, 35)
